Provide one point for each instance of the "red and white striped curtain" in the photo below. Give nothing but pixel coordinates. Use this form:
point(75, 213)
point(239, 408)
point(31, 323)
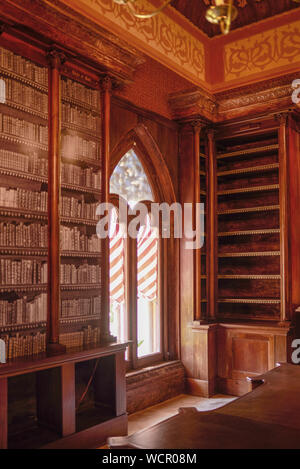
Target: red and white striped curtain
point(147, 260)
point(116, 260)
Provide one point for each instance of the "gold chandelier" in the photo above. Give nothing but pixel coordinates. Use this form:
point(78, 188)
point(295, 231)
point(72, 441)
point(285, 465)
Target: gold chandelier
point(221, 12)
point(139, 14)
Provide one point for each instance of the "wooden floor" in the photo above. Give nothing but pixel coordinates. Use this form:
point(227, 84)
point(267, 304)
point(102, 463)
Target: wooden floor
point(155, 414)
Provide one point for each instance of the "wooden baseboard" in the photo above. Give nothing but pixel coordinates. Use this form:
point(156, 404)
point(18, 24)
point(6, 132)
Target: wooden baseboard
point(93, 437)
point(200, 387)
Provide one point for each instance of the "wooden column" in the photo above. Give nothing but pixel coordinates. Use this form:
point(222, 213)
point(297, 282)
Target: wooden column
point(53, 346)
point(197, 253)
point(212, 232)
point(284, 220)
point(106, 87)
point(3, 413)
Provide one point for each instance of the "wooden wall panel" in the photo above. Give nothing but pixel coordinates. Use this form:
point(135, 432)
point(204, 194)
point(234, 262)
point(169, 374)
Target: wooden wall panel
point(248, 351)
point(125, 117)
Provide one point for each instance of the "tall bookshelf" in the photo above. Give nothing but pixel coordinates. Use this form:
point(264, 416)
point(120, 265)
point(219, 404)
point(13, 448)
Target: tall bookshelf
point(23, 204)
point(203, 200)
point(81, 193)
point(250, 246)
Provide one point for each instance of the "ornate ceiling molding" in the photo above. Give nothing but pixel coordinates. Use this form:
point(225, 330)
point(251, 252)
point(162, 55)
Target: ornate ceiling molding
point(268, 96)
point(160, 37)
point(54, 21)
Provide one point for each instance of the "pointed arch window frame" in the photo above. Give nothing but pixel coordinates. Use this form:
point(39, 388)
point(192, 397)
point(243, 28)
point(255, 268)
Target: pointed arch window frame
point(131, 292)
point(140, 139)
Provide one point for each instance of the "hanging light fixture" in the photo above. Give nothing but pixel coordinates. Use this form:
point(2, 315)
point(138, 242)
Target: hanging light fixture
point(140, 14)
point(222, 12)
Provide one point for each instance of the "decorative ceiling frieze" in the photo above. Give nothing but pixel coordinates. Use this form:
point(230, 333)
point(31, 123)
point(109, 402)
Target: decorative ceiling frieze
point(262, 52)
point(160, 37)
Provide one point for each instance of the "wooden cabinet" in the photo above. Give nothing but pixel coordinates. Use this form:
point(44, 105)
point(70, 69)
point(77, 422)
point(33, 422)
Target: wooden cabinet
point(65, 402)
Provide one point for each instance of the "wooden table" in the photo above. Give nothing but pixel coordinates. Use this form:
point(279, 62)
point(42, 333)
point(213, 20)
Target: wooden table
point(267, 417)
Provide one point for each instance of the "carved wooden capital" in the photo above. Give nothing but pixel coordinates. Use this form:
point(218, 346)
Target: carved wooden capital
point(197, 126)
point(106, 83)
point(56, 58)
point(282, 117)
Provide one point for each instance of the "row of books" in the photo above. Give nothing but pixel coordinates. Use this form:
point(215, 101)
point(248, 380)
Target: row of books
point(74, 90)
point(27, 164)
point(78, 208)
point(22, 272)
point(13, 126)
point(23, 199)
point(70, 274)
point(20, 345)
point(19, 93)
point(86, 120)
point(23, 67)
point(80, 307)
point(71, 239)
point(38, 201)
point(23, 310)
point(32, 235)
point(72, 174)
point(87, 336)
point(75, 147)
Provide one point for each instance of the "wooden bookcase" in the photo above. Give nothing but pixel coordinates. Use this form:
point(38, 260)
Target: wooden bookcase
point(203, 199)
point(23, 204)
point(81, 193)
point(249, 227)
point(54, 160)
point(256, 286)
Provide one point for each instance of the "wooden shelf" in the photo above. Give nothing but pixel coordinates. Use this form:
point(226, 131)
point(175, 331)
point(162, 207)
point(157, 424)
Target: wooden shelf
point(23, 175)
point(245, 190)
point(250, 254)
point(23, 288)
point(249, 233)
point(233, 211)
point(24, 327)
point(22, 79)
point(248, 151)
point(23, 141)
point(22, 213)
point(87, 286)
point(43, 252)
point(84, 131)
point(32, 215)
point(95, 255)
point(250, 169)
point(79, 319)
point(82, 105)
point(44, 180)
point(249, 277)
point(78, 221)
point(249, 301)
point(23, 251)
point(20, 107)
point(202, 173)
point(202, 155)
point(96, 163)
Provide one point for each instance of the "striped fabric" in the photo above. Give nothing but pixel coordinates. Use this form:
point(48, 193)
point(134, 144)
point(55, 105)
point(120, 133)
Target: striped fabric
point(147, 259)
point(116, 261)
